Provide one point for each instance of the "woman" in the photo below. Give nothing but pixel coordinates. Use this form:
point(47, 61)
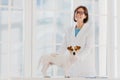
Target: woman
point(82, 35)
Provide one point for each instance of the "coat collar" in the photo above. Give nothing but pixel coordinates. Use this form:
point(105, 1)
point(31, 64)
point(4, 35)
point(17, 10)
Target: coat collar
point(80, 33)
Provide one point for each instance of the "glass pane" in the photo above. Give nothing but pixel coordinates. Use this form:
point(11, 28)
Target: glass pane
point(3, 42)
point(4, 60)
point(44, 43)
point(4, 2)
point(51, 18)
point(54, 4)
point(102, 60)
point(17, 4)
point(63, 5)
point(102, 30)
point(86, 4)
point(63, 21)
point(97, 28)
point(101, 42)
point(3, 24)
point(102, 7)
point(45, 4)
point(17, 55)
point(96, 9)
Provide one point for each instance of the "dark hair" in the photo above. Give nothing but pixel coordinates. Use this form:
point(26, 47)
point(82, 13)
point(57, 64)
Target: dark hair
point(85, 12)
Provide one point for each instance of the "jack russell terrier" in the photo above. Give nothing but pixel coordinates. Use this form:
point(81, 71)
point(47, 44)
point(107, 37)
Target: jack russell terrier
point(62, 60)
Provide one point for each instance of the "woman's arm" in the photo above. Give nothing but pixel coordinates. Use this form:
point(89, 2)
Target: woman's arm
point(89, 45)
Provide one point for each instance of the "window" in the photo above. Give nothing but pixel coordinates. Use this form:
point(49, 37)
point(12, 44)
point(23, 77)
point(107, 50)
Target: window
point(51, 19)
point(11, 39)
point(26, 34)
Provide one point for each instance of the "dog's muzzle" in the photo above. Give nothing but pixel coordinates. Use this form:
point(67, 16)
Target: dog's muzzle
point(73, 53)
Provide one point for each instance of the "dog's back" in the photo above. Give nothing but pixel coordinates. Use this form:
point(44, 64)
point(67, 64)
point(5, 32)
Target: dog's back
point(59, 59)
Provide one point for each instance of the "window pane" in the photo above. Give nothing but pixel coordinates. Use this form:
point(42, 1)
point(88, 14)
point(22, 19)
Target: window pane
point(54, 4)
point(4, 2)
point(101, 42)
point(17, 55)
point(63, 21)
point(44, 44)
point(86, 4)
point(3, 24)
point(63, 5)
point(51, 18)
point(4, 42)
point(17, 4)
point(45, 4)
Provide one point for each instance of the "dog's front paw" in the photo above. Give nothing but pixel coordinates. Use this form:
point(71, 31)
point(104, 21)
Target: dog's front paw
point(67, 76)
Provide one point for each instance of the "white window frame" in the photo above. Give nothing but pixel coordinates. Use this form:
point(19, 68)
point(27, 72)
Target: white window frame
point(27, 11)
point(118, 36)
point(113, 49)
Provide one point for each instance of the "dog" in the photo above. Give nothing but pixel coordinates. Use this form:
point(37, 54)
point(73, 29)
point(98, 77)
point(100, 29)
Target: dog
point(63, 60)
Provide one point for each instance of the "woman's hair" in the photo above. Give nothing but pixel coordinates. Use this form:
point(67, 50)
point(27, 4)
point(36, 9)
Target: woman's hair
point(85, 12)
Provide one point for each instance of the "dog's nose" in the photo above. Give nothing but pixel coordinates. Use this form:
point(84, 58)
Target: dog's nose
point(73, 53)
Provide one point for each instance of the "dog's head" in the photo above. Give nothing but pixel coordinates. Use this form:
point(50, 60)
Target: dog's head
point(73, 50)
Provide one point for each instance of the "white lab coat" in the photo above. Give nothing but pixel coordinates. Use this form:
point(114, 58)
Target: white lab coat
point(85, 66)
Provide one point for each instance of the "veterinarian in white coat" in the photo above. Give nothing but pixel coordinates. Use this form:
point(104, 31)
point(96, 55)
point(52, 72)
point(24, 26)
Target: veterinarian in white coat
point(82, 35)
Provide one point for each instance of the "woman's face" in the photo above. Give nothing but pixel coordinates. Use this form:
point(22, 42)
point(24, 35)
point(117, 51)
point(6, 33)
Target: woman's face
point(80, 15)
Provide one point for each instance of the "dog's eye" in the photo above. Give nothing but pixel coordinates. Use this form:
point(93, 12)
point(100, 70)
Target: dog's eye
point(75, 49)
point(71, 49)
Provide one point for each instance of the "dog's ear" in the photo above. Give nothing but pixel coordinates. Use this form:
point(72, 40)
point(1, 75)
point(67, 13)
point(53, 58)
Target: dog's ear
point(78, 47)
point(70, 48)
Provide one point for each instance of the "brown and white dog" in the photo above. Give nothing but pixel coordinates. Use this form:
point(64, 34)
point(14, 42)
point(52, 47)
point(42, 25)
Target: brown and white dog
point(63, 60)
